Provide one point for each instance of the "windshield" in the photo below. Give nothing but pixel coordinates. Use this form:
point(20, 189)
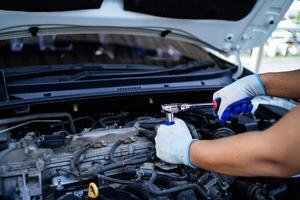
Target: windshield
point(98, 48)
point(38, 68)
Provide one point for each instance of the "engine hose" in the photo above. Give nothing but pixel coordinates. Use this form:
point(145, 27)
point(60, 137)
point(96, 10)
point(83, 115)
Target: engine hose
point(112, 151)
point(75, 159)
point(108, 167)
point(93, 122)
point(222, 132)
point(124, 163)
point(171, 176)
point(128, 170)
point(117, 144)
point(153, 177)
point(150, 120)
point(102, 121)
point(41, 116)
point(114, 180)
point(147, 154)
point(189, 186)
point(160, 192)
point(193, 131)
point(148, 126)
point(147, 133)
point(150, 123)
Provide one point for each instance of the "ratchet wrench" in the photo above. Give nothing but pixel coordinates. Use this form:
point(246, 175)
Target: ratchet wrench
point(171, 109)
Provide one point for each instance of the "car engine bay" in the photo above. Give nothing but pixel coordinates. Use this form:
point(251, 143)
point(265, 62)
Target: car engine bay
point(86, 152)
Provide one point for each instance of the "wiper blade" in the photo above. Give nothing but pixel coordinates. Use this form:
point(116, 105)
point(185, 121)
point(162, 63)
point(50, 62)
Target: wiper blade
point(189, 67)
point(44, 70)
point(94, 71)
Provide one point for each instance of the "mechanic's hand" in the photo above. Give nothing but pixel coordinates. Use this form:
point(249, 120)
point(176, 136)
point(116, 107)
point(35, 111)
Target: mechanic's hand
point(236, 97)
point(173, 143)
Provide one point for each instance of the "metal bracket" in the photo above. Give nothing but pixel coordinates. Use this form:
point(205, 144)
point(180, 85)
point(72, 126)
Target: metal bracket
point(240, 68)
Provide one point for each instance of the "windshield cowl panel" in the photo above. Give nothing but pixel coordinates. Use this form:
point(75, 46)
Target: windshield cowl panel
point(77, 64)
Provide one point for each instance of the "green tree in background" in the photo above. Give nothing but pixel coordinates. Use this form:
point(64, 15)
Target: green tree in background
point(296, 18)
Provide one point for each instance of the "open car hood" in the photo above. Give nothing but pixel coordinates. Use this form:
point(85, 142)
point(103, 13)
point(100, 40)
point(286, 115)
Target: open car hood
point(225, 32)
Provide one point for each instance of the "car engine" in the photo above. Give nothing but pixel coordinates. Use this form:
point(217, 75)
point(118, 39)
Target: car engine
point(112, 156)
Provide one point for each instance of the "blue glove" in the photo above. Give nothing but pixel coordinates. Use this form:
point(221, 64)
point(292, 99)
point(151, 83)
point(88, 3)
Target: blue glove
point(235, 99)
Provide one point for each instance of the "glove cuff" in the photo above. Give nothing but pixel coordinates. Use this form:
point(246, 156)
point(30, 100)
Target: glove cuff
point(255, 86)
point(261, 84)
point(187, 160)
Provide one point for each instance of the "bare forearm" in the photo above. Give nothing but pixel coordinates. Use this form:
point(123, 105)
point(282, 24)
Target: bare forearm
point(274, 152)
point(282, 84)
point(237, 155)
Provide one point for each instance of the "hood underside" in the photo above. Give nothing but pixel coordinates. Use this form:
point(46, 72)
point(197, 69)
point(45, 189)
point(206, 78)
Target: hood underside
point(224, 32)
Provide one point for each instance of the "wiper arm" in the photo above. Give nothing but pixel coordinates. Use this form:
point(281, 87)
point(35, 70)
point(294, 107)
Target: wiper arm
point(89, 71)
point(45, 70)
point(189, 67)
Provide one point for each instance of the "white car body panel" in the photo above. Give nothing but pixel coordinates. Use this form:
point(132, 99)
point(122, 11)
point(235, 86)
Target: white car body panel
point(224, 36)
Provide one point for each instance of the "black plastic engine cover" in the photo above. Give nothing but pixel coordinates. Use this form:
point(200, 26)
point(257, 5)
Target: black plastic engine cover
point(244, 123)
point(270, 112)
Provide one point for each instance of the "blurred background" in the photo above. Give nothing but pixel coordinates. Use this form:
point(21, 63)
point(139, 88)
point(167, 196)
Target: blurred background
point(282, 51)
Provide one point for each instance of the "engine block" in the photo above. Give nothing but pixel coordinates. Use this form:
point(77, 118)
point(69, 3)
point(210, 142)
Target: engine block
point(25, 166)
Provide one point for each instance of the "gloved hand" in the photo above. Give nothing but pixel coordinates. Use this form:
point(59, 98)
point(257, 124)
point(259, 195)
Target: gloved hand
point(236, 98)
point(173, 143)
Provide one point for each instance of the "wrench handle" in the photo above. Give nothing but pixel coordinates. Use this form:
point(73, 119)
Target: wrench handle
point(216, 104)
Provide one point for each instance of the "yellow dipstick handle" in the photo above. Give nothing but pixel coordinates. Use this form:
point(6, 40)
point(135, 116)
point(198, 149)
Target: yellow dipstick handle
point(93, 191)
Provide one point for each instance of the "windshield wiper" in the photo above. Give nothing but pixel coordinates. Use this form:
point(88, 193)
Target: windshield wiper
point(185, 68)
point(48, 70)
point(94, 71)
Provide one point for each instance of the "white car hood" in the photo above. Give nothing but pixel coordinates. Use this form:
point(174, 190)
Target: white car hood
point(224, 36)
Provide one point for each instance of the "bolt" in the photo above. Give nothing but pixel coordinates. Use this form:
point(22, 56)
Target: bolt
point(133, 139)
point(40, 165)
point(104, 143)
point(75, 107)
point(151, 100)
point(59, 187)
